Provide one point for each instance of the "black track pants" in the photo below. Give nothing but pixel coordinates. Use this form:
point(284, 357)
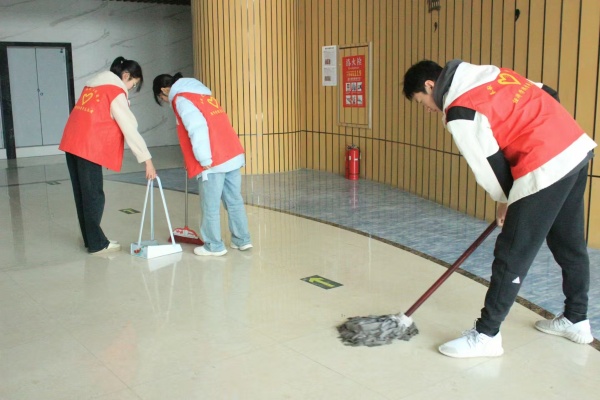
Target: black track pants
point(555, 214)
point(87, 181)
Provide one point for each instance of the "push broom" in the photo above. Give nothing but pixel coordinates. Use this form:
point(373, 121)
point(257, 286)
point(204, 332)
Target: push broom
point(185, 234)
point(379, 330)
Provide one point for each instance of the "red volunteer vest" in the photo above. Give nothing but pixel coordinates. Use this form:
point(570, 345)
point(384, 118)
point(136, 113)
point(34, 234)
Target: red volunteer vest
point(224, 142)
point(91, 132)
point(528, 136)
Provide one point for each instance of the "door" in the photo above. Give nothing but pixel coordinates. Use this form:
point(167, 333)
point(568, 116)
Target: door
point(39, 94)
point(1, 126)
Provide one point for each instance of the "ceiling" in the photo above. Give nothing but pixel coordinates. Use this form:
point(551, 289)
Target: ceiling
point(173, 2)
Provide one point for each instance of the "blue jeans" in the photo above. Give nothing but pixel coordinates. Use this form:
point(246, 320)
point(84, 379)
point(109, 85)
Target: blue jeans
point(226, 187)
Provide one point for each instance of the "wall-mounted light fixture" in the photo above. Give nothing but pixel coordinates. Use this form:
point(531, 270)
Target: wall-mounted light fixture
point(434, 5)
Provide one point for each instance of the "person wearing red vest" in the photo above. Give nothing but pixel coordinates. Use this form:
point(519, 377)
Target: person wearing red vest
point(531, 156)
point(94, 137)
point(213, 154)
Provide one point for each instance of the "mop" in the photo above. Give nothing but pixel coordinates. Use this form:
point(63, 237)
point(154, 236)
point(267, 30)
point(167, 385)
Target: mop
point(378, 330)
point(185, 234)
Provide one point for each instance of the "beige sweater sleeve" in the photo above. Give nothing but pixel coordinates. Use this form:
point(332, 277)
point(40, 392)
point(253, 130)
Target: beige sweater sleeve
point(121, 112)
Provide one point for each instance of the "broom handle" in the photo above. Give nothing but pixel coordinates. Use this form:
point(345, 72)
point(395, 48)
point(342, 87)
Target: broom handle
point(453, 268)
point(162, 195)
point(186, 197)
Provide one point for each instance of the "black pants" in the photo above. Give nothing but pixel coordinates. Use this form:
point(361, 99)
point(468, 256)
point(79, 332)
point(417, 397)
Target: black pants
point(88, 189)
point(554, 214)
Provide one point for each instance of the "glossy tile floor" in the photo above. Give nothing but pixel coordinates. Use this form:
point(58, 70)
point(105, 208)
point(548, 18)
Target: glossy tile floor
point(243, 326)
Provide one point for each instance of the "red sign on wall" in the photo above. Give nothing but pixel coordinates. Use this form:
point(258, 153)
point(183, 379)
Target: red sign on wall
point(353, 81)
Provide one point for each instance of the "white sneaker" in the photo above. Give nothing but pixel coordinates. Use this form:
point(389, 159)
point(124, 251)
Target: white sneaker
point(201, 251)
point(110, 241)
point(473, 344)
point(242, 247)
point(112, 247)
point(580, 332)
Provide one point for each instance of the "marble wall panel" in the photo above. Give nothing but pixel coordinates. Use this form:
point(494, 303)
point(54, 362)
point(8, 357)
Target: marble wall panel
point(158, 36)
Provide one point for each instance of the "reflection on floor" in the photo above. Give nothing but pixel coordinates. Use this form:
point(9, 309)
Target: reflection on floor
point(399, 218)
point(246, 325)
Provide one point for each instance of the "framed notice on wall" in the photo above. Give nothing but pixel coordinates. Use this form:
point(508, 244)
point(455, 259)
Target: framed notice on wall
point(353, 81)
point(329, 67)
point(354, 99)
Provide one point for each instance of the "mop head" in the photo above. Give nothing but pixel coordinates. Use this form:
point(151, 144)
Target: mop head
point(376, 330)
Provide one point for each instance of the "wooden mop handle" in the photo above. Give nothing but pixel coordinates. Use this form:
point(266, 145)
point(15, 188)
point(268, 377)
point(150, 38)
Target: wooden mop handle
point(453, 268)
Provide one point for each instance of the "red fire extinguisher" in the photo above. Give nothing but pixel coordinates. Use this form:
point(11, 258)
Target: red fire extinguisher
point(352, 162)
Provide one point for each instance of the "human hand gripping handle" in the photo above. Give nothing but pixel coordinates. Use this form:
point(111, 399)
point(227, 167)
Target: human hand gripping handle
point(501, 209)
point(150, 171)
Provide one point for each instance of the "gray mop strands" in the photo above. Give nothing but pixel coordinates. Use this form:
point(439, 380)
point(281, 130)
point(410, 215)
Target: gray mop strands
point(378, 330)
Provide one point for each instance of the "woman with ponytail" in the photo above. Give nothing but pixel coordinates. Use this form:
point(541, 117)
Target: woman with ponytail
point(213, 154)
point(94, 137)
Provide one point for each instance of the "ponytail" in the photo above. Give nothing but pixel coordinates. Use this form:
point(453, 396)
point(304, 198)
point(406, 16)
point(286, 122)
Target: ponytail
point(121, 65)
point(163, 81)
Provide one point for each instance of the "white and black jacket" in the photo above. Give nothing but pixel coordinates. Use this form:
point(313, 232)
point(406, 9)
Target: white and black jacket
point(514, 135)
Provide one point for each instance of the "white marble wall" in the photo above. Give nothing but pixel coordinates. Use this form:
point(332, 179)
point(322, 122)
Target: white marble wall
point(157, 36)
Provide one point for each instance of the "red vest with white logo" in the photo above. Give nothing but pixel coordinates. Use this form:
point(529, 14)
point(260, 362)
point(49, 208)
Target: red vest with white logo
point(91, 132)
point(224, 142)
point(529, 136)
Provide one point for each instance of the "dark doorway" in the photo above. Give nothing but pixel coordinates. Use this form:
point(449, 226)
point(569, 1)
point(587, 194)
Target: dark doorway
point(36, 92)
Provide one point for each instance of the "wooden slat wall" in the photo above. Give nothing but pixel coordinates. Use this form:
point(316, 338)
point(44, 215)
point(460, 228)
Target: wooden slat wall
point(554, 41)
point(246, 52)
point(262, 59)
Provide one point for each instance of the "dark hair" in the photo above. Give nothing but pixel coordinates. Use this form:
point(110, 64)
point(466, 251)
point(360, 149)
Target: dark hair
point(163, 81)
point(121, 65)
point(415, 77)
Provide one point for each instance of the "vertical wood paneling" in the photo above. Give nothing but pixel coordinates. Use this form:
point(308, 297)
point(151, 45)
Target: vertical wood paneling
point(262, 59)
point(536, 40)
point(391, 93)
point(477, 208)
point(433, 123)
point(343, 131)
point(337, 148)
point(302, 82)
point(427, 120)
point(586, 110)
point(379, 61)
point(522, 33)
point(409, 148)
point(456, 200)
point(420, 132)
point(595, 167)
point(409, 58)
point(450, 198)
point(327, 94)
point(320, 100)
point(587, 66)
point(442, 194)
point(421, 157)
point(508, 33)
point(551, 53)
point(246, 53)
point(489, 208)
point(465, 193)
point(314, 69)
point(569, 55)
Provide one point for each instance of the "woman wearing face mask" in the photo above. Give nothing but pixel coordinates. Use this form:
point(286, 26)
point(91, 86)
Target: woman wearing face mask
point(94, 137)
